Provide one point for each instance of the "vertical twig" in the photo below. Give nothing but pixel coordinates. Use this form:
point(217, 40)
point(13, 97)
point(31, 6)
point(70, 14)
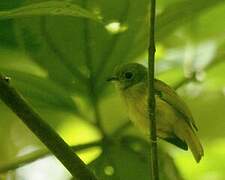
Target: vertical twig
point(151, 93)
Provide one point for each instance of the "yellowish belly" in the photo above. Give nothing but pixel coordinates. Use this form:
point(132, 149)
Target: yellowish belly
point(138, 114)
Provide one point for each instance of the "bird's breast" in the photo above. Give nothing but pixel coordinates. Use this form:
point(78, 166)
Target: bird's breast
point(136, 102)
point(137, 106)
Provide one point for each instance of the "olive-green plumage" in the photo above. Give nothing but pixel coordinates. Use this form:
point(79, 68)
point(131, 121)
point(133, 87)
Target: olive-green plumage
point(175, 123)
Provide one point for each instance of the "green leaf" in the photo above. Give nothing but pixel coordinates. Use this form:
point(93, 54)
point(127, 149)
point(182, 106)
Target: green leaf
point(48, 8)
point(78, 50)
point(71, 49)
point(129, 159)
point(41, 92)
point(113, 164)
point(7, 35)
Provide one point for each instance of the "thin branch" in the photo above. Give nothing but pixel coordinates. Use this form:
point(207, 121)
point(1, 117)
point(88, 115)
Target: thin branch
point(151, 93)
point(98, 119)
point(31, 157)
point(43, 131)
point(187, 80)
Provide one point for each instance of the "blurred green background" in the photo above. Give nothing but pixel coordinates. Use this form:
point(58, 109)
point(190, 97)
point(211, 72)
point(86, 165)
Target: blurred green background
point(60, 65)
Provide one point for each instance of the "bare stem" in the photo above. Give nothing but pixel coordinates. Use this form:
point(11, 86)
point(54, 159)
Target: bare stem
point(184, 81)
point(187, 80)
point(151, 93)
point(43, 131)
point(31, 157)
point(98, 119)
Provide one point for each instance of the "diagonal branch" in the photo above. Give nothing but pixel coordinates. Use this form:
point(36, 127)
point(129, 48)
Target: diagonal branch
point(187, 80)
point(43, 131)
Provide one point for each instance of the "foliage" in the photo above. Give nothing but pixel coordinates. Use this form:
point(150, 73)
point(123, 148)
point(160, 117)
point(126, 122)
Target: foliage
point(60, 63)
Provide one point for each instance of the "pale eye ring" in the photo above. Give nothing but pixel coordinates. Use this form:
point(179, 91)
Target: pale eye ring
point(128, 75)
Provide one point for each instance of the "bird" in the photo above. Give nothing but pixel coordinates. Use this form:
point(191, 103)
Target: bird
point(174, 121)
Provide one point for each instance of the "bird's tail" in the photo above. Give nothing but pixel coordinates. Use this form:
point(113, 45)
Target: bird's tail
point(193, 143)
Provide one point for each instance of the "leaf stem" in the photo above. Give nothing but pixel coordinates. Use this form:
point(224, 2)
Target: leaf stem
point(98, 119)
point(92, 80)
point(187, 80)
point(31, 157)
point(43, 131)
point(151, 93)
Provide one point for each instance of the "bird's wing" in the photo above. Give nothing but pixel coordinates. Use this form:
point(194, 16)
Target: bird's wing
point(169, 95)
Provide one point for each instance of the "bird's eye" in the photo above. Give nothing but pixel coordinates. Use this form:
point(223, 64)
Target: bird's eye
point(128, 75)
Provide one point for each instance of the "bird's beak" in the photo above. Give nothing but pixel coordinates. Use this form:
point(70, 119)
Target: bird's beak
point(113, 78)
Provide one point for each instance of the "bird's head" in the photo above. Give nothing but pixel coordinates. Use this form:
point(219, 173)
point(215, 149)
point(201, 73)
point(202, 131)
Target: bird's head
point(128, 75)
